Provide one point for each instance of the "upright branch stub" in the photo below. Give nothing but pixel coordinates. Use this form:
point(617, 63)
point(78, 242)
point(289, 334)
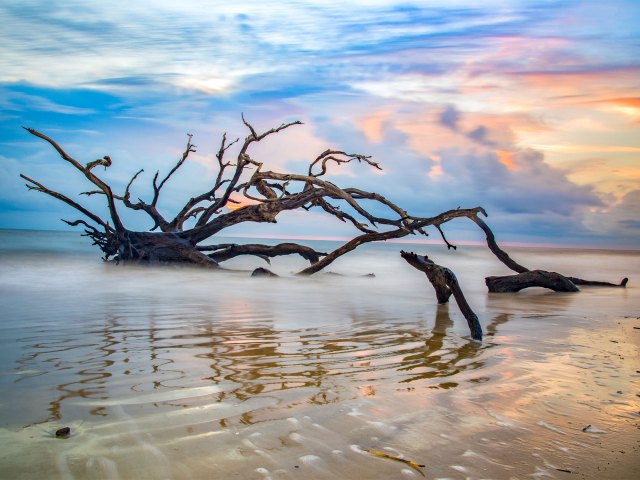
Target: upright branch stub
point(190, 148)
point(243, 161)
point(445, 284)
point(151, 207)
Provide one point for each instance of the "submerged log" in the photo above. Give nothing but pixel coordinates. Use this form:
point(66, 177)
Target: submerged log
point(263, 272)
point(532, 278)
point(445, 284)
point(541, 278)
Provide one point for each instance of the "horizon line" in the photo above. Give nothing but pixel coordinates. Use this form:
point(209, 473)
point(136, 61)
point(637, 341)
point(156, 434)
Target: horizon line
point(418, 241)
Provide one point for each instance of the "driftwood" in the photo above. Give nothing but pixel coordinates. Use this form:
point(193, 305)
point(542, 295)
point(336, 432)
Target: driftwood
point(226, 251)
point(541, 278)
point(262, 195)
point(445, 284)
point(532, 278)
point(263, 272)
point(243, 191)
point(597, 283)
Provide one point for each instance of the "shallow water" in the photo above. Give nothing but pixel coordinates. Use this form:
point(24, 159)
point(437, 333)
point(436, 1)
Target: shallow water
point(181, 373)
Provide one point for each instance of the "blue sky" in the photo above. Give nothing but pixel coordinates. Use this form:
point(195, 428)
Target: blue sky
point(530, 109)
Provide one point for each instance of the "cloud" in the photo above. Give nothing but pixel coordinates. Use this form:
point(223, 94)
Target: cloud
point(17, 101)
point(449, 118)
point(619, 220)
point(427, 170)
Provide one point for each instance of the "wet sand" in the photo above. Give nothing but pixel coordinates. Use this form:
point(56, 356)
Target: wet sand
point(179, 373)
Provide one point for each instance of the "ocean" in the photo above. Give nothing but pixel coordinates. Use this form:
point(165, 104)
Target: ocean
point(179, 372)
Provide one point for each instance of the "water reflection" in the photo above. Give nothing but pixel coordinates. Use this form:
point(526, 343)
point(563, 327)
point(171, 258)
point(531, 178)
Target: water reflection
point(95, 369)
point(436, 360)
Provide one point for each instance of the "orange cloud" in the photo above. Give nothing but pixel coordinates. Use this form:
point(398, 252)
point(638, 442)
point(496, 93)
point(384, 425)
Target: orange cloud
point(372, 125)
point(506, 158)
point(237, 202)
point(629, 106)
point(436, 170)
point(633, 102)
point(581, 85)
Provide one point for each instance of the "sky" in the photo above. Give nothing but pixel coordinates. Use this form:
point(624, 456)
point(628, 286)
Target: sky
point(530, 109)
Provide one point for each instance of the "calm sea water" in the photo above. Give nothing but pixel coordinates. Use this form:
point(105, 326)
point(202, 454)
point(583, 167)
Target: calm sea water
point(170, 372)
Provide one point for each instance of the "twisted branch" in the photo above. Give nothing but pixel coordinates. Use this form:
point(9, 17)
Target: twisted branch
point(86, 170)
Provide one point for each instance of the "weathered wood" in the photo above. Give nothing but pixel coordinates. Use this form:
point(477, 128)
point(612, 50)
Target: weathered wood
point(226, 251)
point(160, 247)
point(434, 273)
point(263, 272)
point(265, 194)
point(597, 283)
point(493, 246)
point(532, 278)
point(445, 284)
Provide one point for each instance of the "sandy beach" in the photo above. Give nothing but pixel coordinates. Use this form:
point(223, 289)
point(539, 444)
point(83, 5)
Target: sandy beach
point(182, 373)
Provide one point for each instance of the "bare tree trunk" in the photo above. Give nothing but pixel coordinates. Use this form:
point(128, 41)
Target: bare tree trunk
point(532, 278)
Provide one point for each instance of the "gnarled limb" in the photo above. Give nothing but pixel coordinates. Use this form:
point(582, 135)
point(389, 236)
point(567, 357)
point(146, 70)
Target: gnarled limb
point(493, 246)
point(227, 251)
point(406, 229)
point(243, 161)
point(86, 170)
point(338, 156)
point(151, 208)
point(34, 185)
point(157, 187)
point(445, 284)
point(597, 283)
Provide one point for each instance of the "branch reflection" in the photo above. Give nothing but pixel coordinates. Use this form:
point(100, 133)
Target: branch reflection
point(133, 366)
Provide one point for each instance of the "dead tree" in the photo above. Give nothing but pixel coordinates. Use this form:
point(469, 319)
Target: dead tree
point(241, 179)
